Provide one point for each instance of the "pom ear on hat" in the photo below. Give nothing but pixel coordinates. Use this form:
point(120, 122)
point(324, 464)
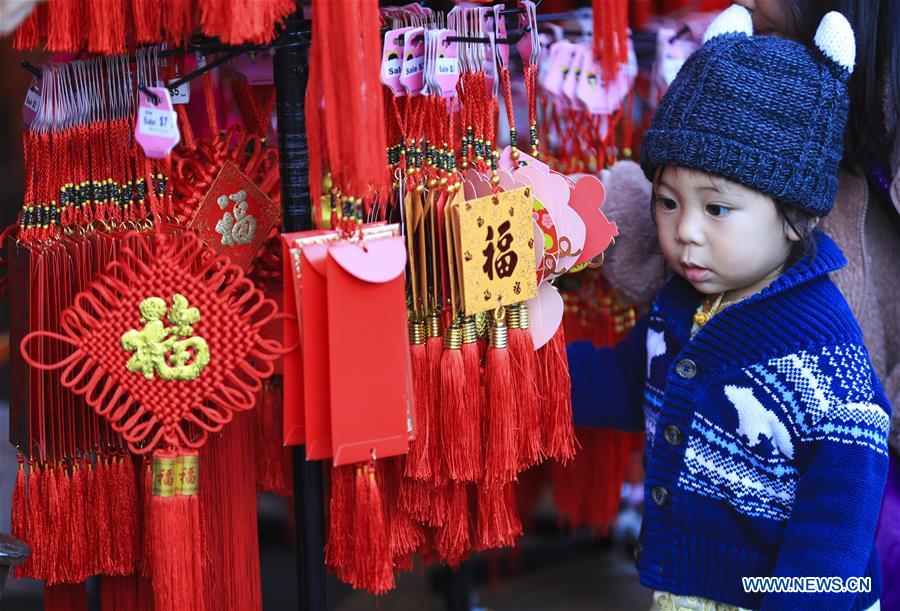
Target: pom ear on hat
point(835, 39)
point(733, 20)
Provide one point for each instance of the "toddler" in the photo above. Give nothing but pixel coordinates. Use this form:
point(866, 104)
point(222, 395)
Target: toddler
point(766, 427)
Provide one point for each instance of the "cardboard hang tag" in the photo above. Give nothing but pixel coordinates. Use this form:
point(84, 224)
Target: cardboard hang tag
point(156, 127)
point(497, 245)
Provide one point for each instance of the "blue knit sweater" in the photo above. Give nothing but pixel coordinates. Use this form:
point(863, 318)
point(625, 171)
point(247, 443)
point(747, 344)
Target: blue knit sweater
point(766, 438)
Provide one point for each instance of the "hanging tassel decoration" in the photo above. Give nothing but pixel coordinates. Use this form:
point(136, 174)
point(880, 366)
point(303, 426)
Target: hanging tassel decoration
point(553, 368)
point(521, 349)
point(457, 442)
point(501, 451)
point(175, 529)
point(19, 518)
point(371, 548)
point(418, 463)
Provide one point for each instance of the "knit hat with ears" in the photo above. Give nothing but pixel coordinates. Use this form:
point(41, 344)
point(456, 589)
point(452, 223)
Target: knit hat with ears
point(761, 111)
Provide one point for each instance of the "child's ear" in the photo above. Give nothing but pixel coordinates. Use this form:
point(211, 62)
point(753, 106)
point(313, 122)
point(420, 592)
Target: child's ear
point(792, 234)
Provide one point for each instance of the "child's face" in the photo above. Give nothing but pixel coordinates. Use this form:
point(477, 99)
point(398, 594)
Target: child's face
point(719, 235)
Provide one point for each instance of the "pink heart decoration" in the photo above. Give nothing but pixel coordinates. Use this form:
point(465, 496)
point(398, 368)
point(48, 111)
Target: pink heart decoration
point(586, 199)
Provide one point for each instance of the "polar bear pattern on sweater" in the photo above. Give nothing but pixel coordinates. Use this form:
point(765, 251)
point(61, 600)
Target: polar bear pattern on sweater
point(754, 420)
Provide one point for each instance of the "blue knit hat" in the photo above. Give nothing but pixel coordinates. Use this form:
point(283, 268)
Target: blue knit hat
point(761, 111)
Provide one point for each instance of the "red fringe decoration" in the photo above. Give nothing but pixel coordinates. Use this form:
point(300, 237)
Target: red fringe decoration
point(498, 517)
point(454, 539)
point(146, 527)
point(371, 551)
point(353, 124)
point(611, 35)
point(418, 463)
point(521, 349)
point(405, 534)
point(553, 367)
point(474, 403)
point(228, 505)
point(147, 20)
point(19, 516)
point(338, 553)
point(177, 574)
point(501, 452)
point(434, 350)
point(458, 442)
point(274, 472)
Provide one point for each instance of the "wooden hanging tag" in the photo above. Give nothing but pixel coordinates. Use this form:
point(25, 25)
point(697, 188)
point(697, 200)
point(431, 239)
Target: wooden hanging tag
point(497, 244)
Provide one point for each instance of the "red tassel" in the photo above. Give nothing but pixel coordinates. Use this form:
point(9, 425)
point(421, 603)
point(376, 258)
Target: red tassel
point(147, 20)
point(424, 500)
point(553, 366)
point(458, 442)
point(418, 462)
point(521, 349)
point(405, 533)
point(80, 551)
point(65, 597)
point(501, 452)
point(28, 34)
point(175, 524)
point(101, 513)
point(62, 528)
point(228, 508)
point(340, 523)
point(53, 550)
point(19, 517)
point(471, 429)
point(371, 553)
point(454, 538)
point(498, 518)
point(127, 515)
point(64, 27)
point(146, 518)
point(273, 460)
point(434, 350)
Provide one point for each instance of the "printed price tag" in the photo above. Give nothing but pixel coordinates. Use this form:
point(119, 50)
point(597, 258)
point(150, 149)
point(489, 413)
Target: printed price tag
point(32, 103)
point(180, 95)
point(413, 76)
point(156, 129)
point(392, 60)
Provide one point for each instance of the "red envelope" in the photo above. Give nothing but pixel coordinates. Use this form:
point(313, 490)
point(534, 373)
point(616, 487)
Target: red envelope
point(368, 350)
point(314, 330)
point(307, 412)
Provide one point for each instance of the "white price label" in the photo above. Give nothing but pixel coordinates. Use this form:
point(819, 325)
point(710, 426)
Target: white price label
point(32, 100)
point(160, 123)
point(447, 66)
point(414, 65)
point(182, 95)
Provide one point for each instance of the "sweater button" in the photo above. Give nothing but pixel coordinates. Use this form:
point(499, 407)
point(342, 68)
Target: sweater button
point(686, 368)
point(673, 435)
point(659, 495)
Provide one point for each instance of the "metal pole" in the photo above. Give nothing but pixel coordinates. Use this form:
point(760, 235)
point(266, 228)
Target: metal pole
point(291, 74)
